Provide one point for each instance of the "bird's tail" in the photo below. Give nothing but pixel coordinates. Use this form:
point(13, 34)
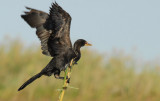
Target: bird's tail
point(30, 81)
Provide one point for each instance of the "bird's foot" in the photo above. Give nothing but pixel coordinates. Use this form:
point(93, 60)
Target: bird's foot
point(67, 77)
point(75, 63)
point(68, 80)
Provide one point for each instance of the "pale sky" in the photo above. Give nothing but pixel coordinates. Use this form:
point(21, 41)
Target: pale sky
point(107, 24)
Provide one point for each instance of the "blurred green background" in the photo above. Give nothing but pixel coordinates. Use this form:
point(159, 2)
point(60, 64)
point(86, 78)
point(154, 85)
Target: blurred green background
point(99, 77)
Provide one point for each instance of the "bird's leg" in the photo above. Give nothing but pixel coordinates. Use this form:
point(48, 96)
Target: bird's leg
point(75, 63)
point(62, 78)
point(59, 77)
point(57, 73)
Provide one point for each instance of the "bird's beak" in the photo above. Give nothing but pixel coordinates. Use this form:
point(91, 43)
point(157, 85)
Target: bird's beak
point(87, 44)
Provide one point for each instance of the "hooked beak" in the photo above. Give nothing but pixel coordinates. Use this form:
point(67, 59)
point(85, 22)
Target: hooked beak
point(87, 44)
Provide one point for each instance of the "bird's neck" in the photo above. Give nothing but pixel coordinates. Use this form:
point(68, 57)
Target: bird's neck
point(78, 52)
point(77, 49)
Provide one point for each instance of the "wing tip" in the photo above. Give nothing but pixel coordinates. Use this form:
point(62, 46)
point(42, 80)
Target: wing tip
point(26, 12)
point(55, 5)
point(28, 8)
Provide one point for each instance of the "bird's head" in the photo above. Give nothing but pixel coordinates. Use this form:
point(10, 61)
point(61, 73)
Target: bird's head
point(77, 45)
point(80, 43)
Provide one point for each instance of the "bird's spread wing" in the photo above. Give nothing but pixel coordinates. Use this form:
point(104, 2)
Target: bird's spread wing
point(36, 19)
point(53, 29)
point(58, 23)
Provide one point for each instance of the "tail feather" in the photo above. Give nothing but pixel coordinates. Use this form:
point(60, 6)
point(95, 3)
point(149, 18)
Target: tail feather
point(30, 81)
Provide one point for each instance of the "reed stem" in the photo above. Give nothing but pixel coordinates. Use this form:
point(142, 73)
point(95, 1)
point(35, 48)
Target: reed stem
point(65, 83)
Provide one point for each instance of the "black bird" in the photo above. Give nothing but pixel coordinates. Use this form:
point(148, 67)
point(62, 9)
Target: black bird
point(53, 30)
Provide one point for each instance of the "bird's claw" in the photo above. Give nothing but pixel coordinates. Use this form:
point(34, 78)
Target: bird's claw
point(75, 63)
point(68, 80)
point(66, 77)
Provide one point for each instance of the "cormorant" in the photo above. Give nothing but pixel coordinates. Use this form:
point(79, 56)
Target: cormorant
point(53, 30)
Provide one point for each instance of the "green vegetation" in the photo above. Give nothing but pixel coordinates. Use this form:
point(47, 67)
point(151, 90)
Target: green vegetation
point(97, 80)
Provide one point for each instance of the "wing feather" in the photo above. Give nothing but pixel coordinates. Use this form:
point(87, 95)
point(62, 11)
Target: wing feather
point(59, 23)
point(53, 29)
point(36, 19)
